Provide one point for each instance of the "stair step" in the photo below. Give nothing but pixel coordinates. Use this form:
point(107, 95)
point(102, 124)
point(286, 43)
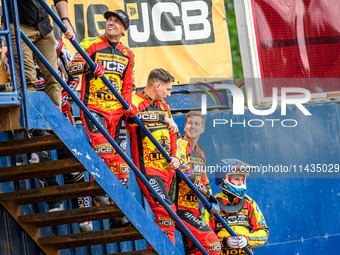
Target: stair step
point(51, 194)
point(28, 145)
point(139, 252)
point(91, 238)
point(44, 169)
point(71, 216)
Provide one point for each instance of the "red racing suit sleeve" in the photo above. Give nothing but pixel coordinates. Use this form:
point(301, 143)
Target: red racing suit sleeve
point(129, 80)
point(173, 136)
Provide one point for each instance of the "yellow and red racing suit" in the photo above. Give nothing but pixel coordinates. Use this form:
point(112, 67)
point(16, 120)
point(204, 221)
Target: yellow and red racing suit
point(187, 201)
point(150, 161)
point(247, 221)
point(118, 61)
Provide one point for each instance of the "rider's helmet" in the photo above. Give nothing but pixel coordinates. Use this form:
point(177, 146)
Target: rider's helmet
point(225, 170)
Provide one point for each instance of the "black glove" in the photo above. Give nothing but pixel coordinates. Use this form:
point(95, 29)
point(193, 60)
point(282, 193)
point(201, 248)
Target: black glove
point(225, 242)
point(212, 199)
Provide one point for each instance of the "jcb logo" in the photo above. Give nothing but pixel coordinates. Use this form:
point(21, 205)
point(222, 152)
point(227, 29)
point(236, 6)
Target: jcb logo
point(160, 23)
point(76, 68)
point(103, 148)
point(163, 221)
point(124, 168)
point(215, 246)
point(199, 185)
point(112, 66)
point(146, 116)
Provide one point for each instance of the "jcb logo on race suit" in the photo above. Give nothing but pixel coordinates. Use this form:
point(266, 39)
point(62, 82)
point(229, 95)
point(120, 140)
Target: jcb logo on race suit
point(155, 23)
point(215, 246)
point(164, 221)
point(123, 168)
point(103, 148)
point(117, 64)
point(148, 116)
point(199, 185)
point(112, 66)
point(76, 68)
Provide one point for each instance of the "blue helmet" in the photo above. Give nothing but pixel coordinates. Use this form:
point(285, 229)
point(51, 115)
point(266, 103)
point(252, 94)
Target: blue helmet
point(225, 170)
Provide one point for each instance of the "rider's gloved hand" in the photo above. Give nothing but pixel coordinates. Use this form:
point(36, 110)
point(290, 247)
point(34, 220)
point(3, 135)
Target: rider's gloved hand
point(242, 241)
point(99, 71)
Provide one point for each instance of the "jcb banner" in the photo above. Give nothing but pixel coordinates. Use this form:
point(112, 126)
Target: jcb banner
point(188, 38)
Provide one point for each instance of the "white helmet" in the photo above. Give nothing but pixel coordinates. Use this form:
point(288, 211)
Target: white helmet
point(231, 167)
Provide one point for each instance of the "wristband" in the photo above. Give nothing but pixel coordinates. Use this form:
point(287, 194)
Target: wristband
point(66, 18)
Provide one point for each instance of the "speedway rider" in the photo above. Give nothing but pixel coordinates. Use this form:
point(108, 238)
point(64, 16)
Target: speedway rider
point(239, 210)
point(116, 61)
point(187, 202)
point(156, 116)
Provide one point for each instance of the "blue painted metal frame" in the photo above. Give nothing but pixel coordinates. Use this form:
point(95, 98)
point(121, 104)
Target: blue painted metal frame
point(20, 59)
point(7, 32)
point(11, 98)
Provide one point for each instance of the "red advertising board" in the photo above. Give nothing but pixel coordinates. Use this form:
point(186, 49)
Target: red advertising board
point(298, 44)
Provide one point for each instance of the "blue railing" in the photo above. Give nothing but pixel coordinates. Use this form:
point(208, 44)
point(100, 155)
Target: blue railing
point(108, 137)
point(15, 99)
